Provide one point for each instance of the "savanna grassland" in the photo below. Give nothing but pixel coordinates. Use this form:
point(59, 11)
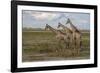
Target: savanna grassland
point(42, 45)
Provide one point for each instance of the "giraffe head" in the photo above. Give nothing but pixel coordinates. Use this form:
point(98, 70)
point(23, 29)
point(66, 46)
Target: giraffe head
point(59, 24)
point(68, 21)
point(46, 27)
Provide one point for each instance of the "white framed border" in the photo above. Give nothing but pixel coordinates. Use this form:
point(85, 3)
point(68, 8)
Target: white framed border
point(52, 63)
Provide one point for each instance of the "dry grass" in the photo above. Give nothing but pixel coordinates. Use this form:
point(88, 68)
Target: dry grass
point(42, 45)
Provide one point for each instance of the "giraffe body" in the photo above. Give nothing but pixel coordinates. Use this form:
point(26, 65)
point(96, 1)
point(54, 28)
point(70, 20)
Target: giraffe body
point(68, 34)
point(60, 36)
point(76, 37)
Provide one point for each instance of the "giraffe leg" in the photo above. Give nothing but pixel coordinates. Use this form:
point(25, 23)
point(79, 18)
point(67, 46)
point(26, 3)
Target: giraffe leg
point(60, 45)
point(78, 48)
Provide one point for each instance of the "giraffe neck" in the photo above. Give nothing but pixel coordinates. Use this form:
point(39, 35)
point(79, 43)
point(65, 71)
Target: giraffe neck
point(74, 28)
point(66, 28)
point(52, 29)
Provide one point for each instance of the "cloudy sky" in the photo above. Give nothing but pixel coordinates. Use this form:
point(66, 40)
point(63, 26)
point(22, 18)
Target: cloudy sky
point(38, 19)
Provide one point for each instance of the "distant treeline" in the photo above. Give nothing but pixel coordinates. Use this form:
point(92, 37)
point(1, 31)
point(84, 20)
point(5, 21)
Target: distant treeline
point(43, 29)
point(33, 29)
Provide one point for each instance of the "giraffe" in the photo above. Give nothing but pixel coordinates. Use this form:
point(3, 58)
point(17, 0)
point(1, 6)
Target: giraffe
point(76, 36)
point(68, 32)
point(60, 36)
